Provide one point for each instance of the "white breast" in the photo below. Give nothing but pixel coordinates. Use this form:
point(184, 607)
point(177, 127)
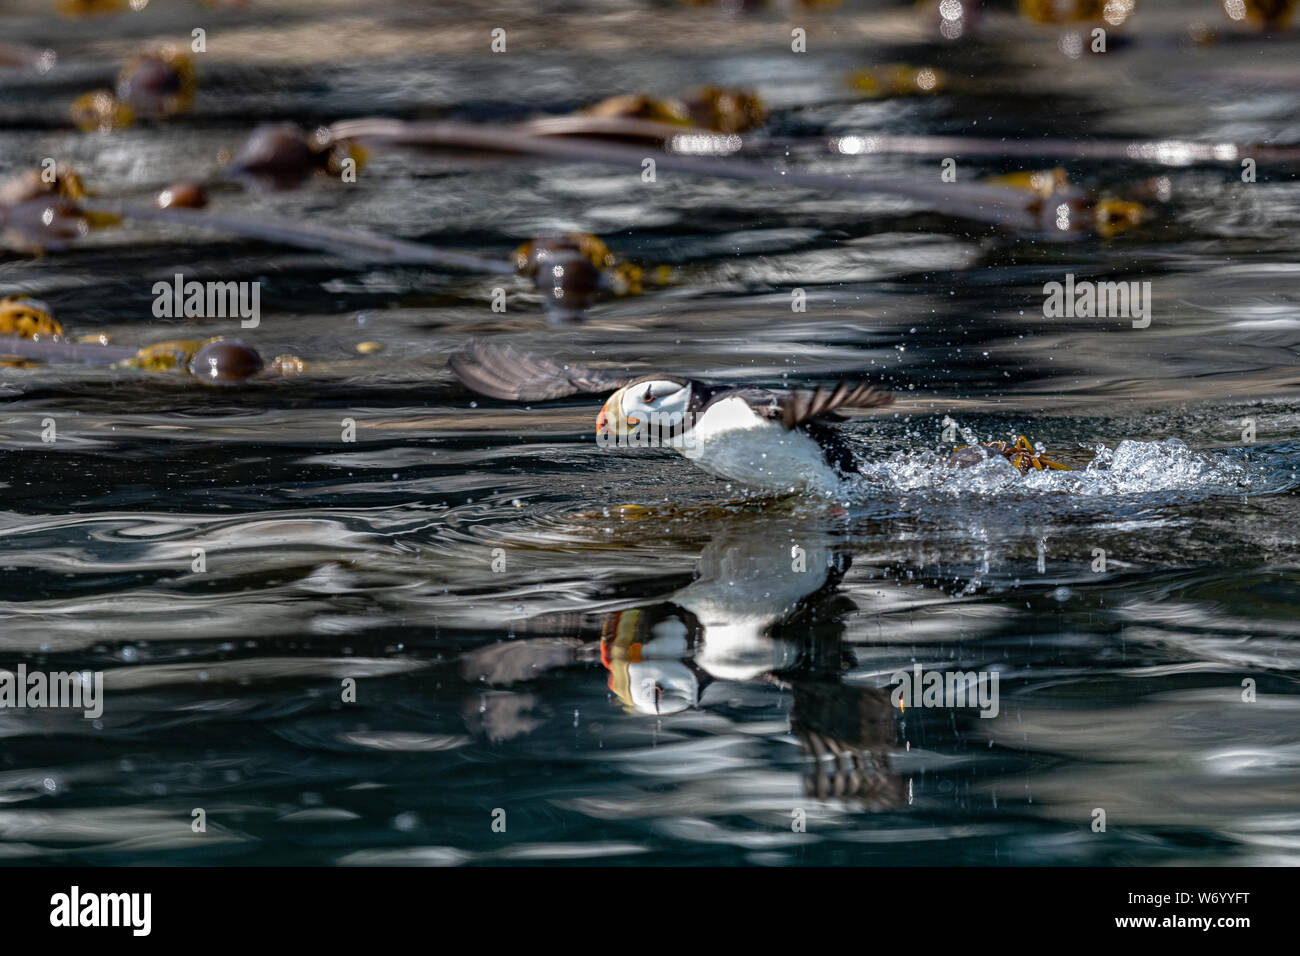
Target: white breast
point(731, 441)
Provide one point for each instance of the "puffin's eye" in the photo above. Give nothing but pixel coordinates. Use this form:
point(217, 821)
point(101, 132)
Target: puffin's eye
point(649, 395)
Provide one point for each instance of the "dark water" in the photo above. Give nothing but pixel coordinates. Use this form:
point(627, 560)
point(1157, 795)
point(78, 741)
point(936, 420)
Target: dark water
point(461, 560)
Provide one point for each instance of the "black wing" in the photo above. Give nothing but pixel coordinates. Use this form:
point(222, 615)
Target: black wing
point(501, 371)
point(800, 406)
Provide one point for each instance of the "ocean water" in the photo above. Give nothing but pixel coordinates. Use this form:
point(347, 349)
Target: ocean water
point(472, 635)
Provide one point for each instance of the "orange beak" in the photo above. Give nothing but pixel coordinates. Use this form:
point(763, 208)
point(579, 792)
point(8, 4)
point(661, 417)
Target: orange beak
point(610, 421)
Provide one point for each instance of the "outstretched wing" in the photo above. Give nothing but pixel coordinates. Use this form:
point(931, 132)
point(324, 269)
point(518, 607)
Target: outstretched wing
point(801, 405)
point(501, 371)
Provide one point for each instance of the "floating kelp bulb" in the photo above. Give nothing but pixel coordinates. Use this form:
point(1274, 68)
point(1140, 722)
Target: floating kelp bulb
point(157, 83)
point(279, 154)
point(367, 348)
point(27, 318)
point(276, 146)
point(532, 254)
point(182, 195)
point(217, 361)
point(149, 75)
point(224, 362)
point(101, 112)
point(288, 365)
point(568, 281)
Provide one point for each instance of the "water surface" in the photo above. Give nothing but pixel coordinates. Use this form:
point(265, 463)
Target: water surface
point(463, 559)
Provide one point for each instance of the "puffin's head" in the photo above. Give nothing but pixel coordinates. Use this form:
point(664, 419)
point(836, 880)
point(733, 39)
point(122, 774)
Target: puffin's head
point(660, 401)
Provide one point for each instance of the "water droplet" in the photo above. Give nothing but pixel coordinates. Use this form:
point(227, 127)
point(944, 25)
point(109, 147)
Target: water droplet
point(405, 822)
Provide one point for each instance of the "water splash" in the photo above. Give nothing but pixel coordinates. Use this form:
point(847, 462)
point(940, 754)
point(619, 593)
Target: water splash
point(1131, 468)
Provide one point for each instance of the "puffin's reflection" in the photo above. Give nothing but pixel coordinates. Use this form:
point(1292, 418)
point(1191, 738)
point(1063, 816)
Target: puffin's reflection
point(764, 607)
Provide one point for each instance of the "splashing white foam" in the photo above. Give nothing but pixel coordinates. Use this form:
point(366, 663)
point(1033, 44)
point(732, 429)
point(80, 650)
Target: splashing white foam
point(1134, 467)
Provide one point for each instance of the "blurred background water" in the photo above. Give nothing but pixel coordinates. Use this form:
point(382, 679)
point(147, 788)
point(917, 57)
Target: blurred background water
point(463, 558)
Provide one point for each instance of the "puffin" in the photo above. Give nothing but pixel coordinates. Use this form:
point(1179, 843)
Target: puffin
point(768, 441)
